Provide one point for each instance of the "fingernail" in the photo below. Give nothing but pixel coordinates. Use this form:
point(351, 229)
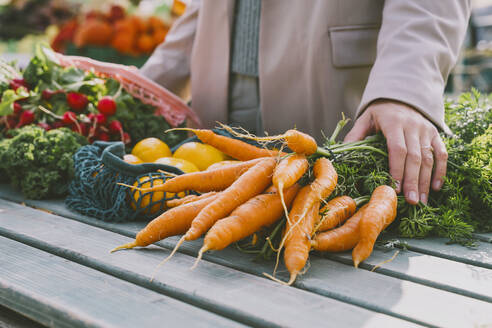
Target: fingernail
point(412, 197)
point(437, 184)
point(423, 198)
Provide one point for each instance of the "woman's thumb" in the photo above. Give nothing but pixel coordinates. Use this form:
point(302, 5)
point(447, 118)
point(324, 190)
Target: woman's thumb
point(360, 130)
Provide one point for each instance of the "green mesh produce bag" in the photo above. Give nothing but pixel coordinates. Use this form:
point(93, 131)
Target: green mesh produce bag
point(95, 190)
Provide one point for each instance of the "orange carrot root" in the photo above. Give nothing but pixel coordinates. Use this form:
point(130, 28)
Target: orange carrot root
point(248, 185)
point(380, 212)
point(233, 147)
point(335, 212)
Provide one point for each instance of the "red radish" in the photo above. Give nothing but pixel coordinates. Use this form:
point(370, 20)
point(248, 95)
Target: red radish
point(16, 83)
point(103, 136)
point(107, 106)
point(77, 101)
point(69, 117)
point(17, 108)
point(98, 118)
point(80, 128)
point(57, 124)
point(44, 125)
point(115, 127)
point(47, 94)
point(27, 117)
point(126, 138)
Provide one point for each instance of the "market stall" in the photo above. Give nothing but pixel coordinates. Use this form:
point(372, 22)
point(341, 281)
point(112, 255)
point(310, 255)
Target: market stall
point(108, 198)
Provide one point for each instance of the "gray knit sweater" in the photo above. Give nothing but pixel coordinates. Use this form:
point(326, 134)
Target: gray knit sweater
point(245, 37)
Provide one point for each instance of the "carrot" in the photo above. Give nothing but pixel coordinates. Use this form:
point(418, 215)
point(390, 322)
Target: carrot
point(297, 243)
point(300, 143)
point(248, 185)
point(288, 172)
point(233, 147)
point(297, 141)
point(380, 212)
point(323, 185)
point(342, 238)
point(335, 212)
point(259, 211)
point(205, 181)
point(170, 223)
point(188, 199)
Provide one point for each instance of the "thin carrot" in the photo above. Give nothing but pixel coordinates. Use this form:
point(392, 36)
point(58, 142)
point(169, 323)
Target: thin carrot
point(248, 185)
point(260, 211)
point(170, 223)
point(297, 141)
point(297, 243)
point(287, 173)
point(188, 199)
point(380, 212)
point(323, 185)
point(233, 147)
point(342, 238)
point(335, 212)
point(205, 181)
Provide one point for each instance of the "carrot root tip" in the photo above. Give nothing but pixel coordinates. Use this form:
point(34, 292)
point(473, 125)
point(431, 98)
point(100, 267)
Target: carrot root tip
point(269, 276)
point(125, 246)
point(293, 277)
point(199, 257)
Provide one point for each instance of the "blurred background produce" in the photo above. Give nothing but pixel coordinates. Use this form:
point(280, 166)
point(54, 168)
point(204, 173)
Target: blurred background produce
point(119, 31)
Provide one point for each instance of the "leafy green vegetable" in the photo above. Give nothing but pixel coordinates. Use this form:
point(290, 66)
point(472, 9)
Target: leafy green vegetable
point(40, 163)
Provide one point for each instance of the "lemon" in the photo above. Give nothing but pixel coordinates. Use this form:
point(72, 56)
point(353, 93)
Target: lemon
point(146, 198)
point(150, 149)
point(132, 159)
point(182, 164)
point(222, 164)
point(199, 154)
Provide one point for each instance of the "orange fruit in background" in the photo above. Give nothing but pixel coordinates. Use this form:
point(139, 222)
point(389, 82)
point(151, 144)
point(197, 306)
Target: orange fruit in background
point(150, 149)
point(183, 165)
point(156, 23)
point(201, 155)
point(93, 32)
point(159, 36)
point(132, 159)
point(145, 43)
point(123, 42)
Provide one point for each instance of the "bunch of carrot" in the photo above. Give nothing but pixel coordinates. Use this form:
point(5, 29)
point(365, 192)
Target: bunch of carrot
point(239, 199)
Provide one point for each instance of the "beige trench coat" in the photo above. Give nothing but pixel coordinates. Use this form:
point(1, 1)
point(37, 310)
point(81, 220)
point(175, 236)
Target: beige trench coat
point(318, 58)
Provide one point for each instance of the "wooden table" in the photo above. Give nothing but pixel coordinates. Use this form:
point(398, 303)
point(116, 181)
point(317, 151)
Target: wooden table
point(55, 268)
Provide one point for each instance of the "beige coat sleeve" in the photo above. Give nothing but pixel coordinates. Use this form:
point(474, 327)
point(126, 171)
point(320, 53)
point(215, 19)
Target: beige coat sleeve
point(418, 45)
point(169, 64)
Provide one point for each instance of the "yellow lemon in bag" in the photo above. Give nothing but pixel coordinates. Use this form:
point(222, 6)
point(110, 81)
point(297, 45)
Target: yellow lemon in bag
point(182, 164)
point(150, 149)
point(201, 155)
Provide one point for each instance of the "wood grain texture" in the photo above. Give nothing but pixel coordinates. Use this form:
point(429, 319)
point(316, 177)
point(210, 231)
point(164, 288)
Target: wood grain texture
point(57, 292)
point(246, 298)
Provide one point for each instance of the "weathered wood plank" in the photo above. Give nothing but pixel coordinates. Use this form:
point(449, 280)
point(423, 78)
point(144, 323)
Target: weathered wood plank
point(462, 278)
point(243, 297)
point(56, 292)
point(487, 237)
point(11, 319)
point(401, 298)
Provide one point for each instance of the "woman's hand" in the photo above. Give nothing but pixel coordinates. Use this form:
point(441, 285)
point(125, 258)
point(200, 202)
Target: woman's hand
point(414, 146)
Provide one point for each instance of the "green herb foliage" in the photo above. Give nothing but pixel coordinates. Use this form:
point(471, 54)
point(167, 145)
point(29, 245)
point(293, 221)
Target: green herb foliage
point(39, 163)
